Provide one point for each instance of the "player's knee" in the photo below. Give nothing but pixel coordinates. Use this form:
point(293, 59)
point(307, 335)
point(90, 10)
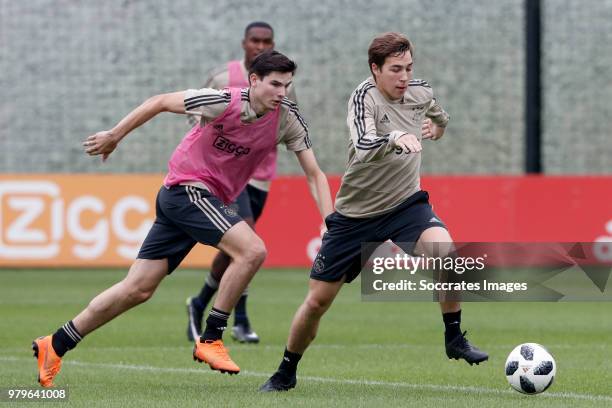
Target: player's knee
point(317, 306)
point(435, 242)
point(256, 253)
point(436, 253)
point(435, 249)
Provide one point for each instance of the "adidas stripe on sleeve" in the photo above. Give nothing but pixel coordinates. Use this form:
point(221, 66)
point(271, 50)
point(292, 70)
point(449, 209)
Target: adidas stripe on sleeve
point(294, 130)
point(209, 102)
point(368, 144)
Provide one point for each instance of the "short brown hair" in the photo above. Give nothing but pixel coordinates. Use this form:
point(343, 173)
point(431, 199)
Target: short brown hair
point(271, 61)
point(387, 44)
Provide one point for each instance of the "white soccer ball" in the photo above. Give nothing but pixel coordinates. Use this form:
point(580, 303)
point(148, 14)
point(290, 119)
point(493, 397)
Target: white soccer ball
point(530, 368)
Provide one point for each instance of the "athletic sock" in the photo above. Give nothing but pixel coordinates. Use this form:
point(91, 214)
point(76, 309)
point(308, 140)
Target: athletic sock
point(452, 324)
point(65, 338)
point(240, 316)
point(216, 323)
point(289, 364)
point(208, 291)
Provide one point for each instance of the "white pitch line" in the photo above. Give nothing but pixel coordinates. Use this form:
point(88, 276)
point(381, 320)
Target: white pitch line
point(368, 346)
point(327, 380)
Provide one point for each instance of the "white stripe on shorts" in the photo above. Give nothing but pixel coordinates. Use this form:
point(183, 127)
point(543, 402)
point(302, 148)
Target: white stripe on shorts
point(210, 206)
point(216, 219)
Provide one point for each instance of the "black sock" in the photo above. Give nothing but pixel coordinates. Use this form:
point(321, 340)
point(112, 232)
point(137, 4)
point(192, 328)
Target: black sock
point(289, 364)
point(65, 338)
point(240, 316)
point(215, 325)
point(452, 324)
point(208, 291)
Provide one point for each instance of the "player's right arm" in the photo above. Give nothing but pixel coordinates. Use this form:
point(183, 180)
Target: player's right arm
point(106, 141)
point(209, 103)
point(369, 144)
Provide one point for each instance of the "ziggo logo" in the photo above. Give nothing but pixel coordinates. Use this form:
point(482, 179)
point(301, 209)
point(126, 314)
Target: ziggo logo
point(42, 219)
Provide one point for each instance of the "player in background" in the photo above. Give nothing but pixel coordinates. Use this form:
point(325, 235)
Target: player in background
point(258, 37)
point(380, 197)
point(206, 172)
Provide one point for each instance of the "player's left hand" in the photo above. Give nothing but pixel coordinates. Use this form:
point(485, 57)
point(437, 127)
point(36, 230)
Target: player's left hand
point(430, 130)
point(103, 143)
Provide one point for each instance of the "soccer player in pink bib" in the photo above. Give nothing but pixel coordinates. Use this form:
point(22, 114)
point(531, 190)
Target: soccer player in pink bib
point(207, 171)
point(258, 37)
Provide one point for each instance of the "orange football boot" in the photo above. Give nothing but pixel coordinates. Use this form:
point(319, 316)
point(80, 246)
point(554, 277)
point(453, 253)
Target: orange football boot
point(49, 363)
point(215, 355)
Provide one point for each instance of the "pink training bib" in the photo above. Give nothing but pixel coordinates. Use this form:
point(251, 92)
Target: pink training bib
point(236, 77)
point(267, 169)
point(224, 154)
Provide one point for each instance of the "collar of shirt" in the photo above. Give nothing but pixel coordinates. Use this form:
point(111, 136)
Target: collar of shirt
point(247, 113)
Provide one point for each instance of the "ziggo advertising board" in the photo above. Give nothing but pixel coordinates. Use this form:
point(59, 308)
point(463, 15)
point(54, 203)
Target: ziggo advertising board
point(78, 220)
point(101, 220)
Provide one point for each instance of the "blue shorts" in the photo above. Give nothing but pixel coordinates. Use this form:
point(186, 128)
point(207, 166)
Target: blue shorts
point(340, 252)
point(250, 202)
point(186, 215)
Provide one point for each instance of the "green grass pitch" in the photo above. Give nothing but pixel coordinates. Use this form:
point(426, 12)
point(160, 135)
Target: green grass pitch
point(366, 354)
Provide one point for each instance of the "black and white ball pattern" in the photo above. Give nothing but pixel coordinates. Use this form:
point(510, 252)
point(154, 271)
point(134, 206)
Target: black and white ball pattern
point(530, 368)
